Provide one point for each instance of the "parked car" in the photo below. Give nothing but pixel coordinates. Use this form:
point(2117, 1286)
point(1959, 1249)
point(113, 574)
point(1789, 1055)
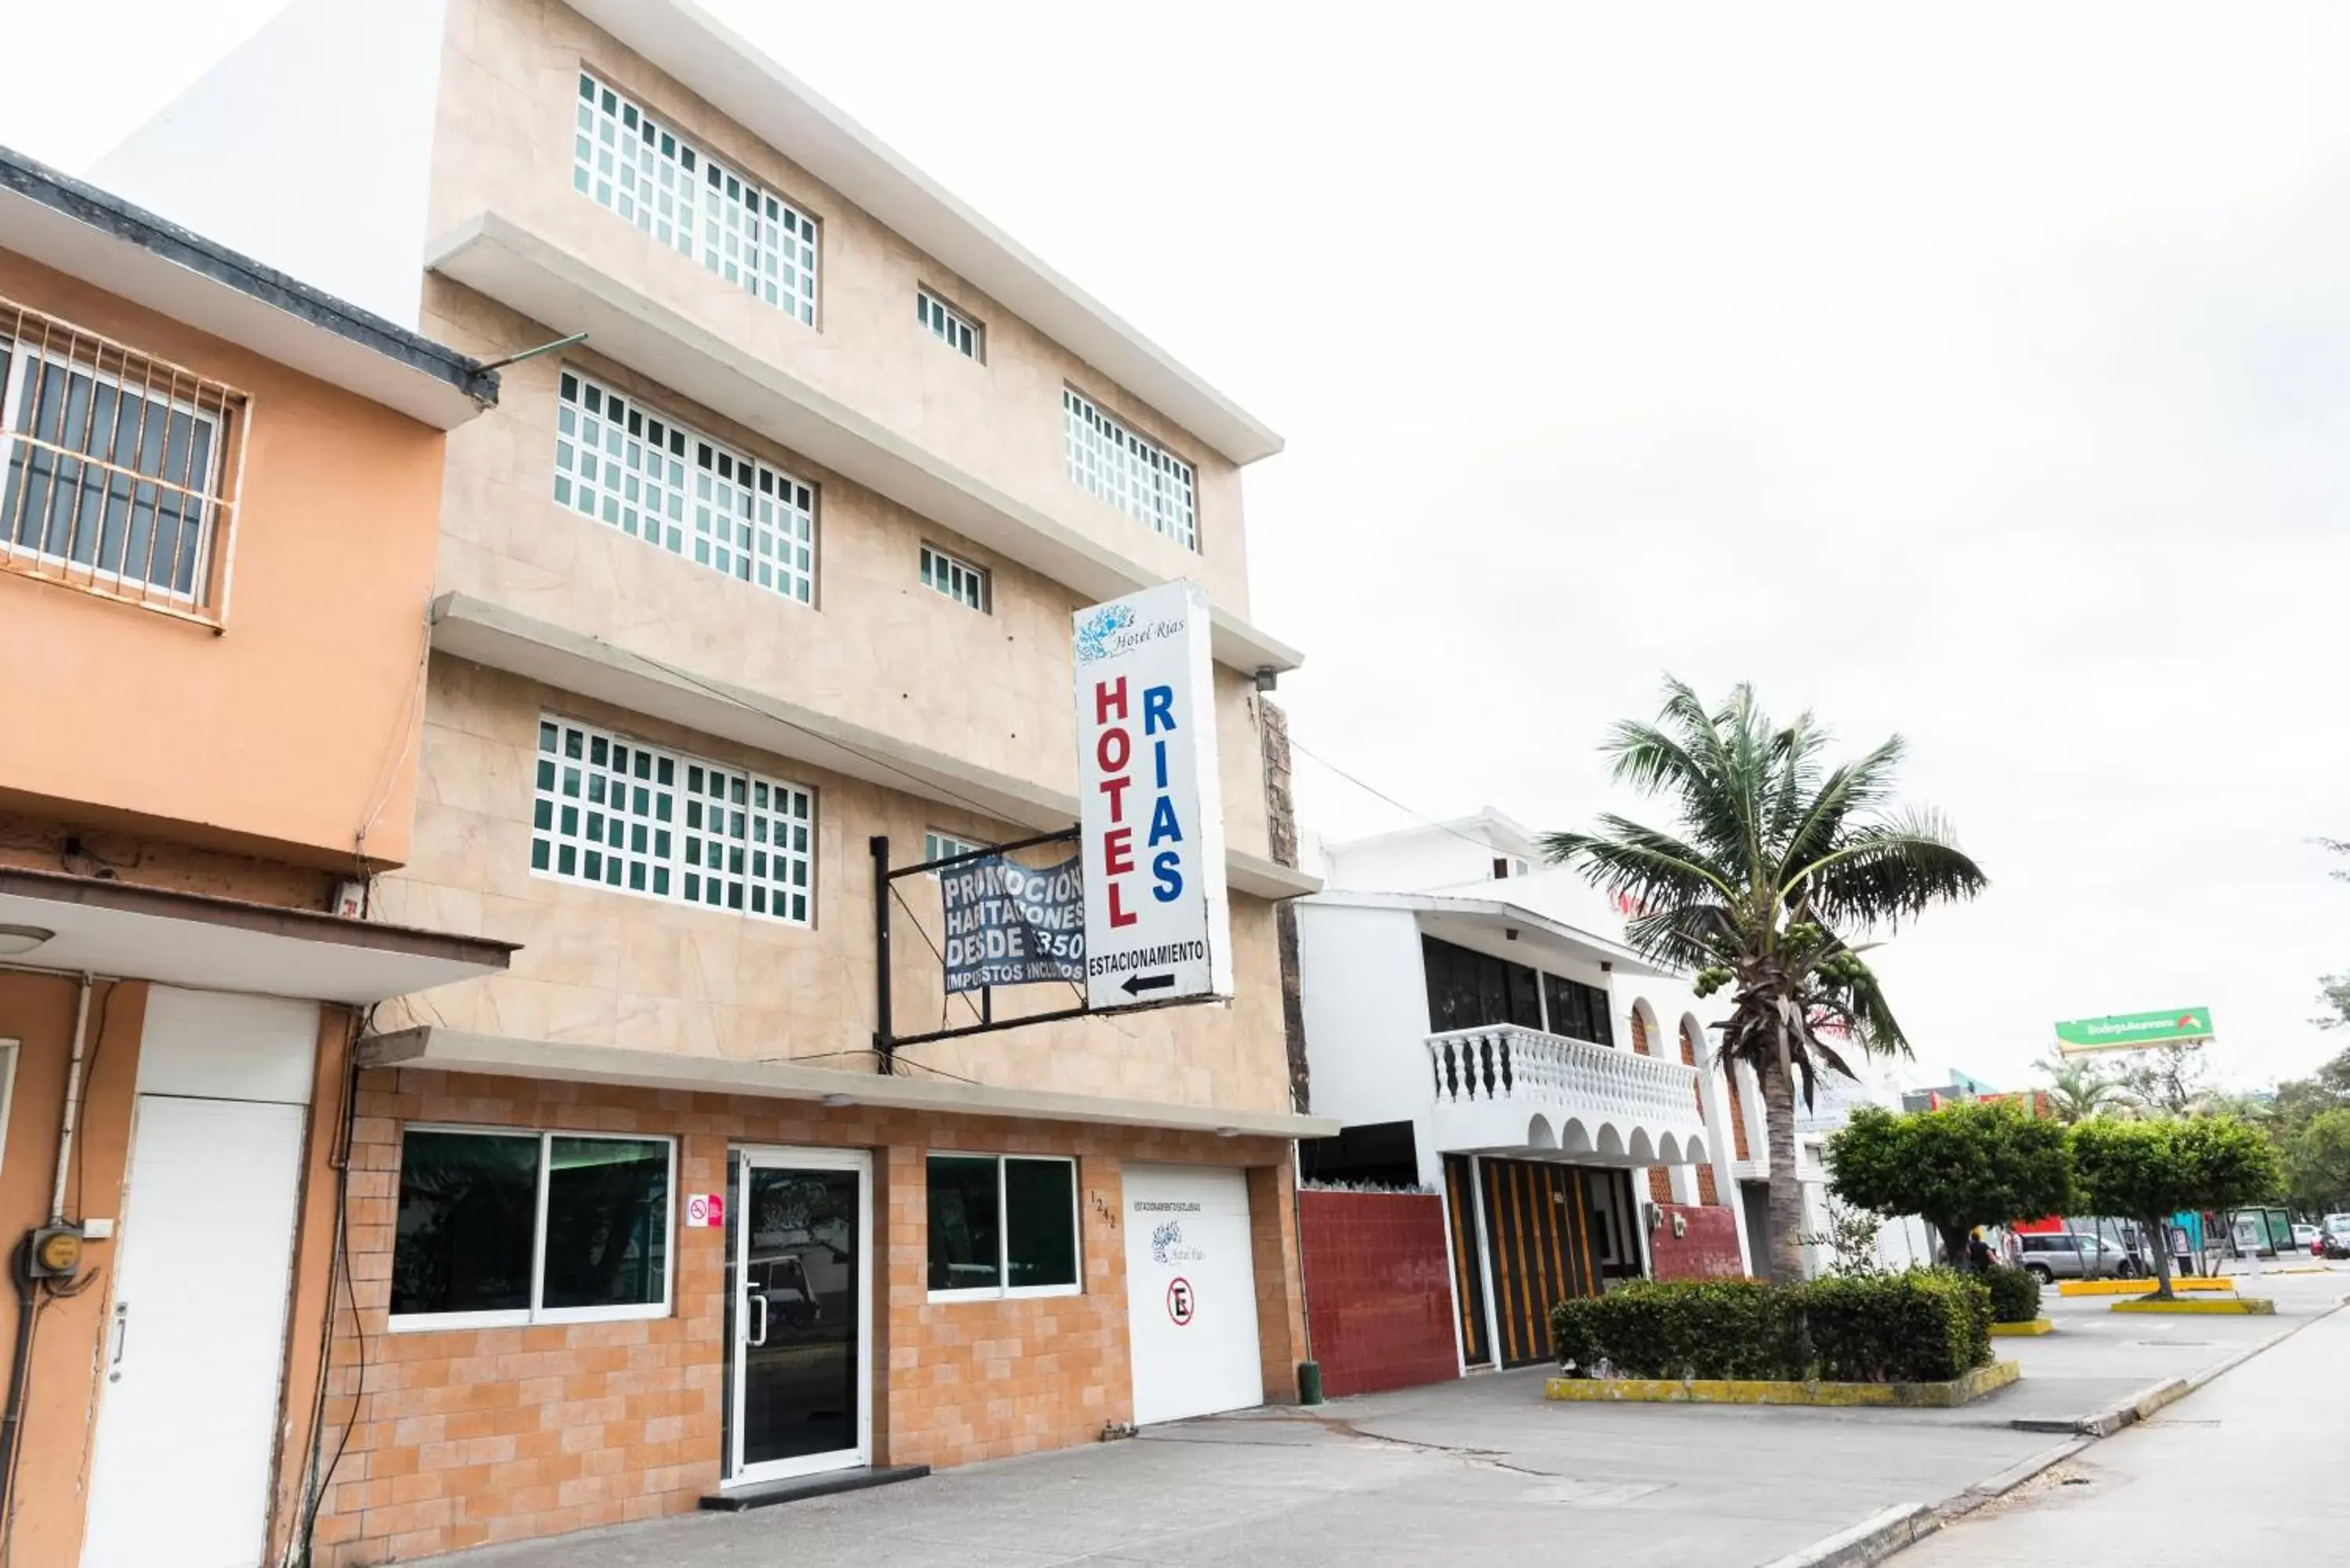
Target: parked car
point(2069, 1255)
point(2305, 1237)
point(2336, 1241)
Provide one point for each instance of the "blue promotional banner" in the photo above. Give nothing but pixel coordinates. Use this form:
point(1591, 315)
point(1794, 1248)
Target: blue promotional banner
point(1009, 924)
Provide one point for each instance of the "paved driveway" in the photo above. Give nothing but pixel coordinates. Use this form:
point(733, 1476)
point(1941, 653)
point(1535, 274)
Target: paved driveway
point(1482, 1470)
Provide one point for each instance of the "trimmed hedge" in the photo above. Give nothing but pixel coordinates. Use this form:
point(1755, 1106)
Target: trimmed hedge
point(1927, 1325)
point(2014, 1294)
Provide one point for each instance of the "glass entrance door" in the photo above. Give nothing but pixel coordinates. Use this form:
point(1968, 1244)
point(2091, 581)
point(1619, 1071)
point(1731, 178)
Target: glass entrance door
point(799, 1288)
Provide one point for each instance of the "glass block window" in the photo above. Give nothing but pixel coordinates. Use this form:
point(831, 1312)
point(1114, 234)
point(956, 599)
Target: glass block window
point(957, 579)
point(611, 812)
point(640, 168)
point(615, 460)
point(665, 483)
point(949, 326)
point(1132, 472)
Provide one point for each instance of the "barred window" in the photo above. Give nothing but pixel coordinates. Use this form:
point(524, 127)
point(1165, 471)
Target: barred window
point(661, 481)
point(1132, 472)
point(616, 814)
point(952, 326)
point(957, 580)
point(115, 463)
point(640, 168)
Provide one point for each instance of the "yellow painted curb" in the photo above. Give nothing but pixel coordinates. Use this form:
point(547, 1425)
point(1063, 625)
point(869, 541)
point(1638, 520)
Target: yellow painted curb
point(2139, 1287)
point(1982, 1380)
point(2019, 1330)
point(2252, 1306)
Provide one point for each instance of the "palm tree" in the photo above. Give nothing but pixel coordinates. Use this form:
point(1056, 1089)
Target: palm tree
point(2079, 1090)
point(1778, 865)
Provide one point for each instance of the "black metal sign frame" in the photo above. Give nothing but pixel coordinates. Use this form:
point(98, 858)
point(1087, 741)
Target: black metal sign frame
point(885, 1039)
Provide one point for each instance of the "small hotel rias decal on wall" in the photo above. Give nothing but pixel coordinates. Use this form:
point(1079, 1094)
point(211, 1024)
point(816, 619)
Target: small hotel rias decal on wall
point(1150, 809)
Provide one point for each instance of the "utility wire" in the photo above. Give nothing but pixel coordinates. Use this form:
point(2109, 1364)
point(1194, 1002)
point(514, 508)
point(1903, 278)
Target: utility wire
point(1296, 746)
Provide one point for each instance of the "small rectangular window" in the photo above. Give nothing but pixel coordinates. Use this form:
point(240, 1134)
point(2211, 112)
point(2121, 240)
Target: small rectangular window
point(497, 1228)
point(1003, 1226)
point(956, 578)
point(949, 326)
point(938, 845)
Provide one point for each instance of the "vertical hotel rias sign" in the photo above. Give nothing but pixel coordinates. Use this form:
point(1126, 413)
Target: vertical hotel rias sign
point(1149, 808)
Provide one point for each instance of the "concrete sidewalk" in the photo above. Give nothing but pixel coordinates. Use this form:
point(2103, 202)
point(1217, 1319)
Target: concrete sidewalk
point(2247, 1470)
point(1480, 1470)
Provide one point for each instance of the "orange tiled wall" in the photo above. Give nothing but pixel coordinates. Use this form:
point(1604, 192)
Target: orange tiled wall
point(464, 1436)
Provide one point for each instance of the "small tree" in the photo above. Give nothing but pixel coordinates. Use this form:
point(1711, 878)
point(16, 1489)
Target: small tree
point(1957, 1167)
point(2317, 1163)
point(2150, 1170)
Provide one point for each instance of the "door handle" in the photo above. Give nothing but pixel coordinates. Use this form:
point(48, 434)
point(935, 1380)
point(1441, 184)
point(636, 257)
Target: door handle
point(121, 1333)
point(760, 1300)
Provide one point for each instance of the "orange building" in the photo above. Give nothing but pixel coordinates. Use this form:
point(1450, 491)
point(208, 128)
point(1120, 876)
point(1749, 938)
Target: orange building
point(218, 499)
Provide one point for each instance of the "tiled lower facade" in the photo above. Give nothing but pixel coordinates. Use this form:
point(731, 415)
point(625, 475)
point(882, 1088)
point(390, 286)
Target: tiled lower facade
point(462, 1437)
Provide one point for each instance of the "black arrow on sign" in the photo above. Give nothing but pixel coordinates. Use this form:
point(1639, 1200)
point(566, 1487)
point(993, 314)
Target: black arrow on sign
point(1136, 984)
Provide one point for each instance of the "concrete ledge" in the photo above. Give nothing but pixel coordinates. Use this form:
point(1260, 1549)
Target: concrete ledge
point(2248, 1306)
point(1757, 1391)
point(1873, 1540)
point(2022, 1330)
point(2106, 1422)
point(2139, 1287)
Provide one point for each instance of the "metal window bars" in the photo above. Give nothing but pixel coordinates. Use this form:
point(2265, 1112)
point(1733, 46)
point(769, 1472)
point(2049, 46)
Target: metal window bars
point(117, 470)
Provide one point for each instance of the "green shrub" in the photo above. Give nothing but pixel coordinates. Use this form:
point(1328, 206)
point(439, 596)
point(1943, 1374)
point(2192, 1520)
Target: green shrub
point(2015, 1294)
point(1926, 1326)
point(1701, 1328)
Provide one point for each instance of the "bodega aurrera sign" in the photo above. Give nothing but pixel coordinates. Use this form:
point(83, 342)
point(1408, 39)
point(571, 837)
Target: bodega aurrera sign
point(1009, 924)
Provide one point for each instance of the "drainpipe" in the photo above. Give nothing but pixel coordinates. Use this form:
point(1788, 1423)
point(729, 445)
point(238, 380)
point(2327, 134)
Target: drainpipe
point(73, 1103)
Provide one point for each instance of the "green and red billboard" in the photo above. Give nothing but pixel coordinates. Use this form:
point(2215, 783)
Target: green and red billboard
point(2135, 1031)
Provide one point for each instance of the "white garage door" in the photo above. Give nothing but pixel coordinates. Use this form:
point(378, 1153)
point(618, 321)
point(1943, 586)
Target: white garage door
point(1191, 1292)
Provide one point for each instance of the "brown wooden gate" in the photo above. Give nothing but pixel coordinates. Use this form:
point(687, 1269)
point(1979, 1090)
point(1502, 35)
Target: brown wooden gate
point(1467, 1272)
point(1539, 1242)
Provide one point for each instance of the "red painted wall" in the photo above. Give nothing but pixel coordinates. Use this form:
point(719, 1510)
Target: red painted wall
point(1706, 1249)
point(1378, 1295)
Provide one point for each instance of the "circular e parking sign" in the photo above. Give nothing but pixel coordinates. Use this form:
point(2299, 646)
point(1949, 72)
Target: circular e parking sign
point(1180, 1301)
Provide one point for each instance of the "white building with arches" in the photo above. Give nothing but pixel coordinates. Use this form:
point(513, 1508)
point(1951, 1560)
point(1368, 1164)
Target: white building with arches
point(1478, 1028)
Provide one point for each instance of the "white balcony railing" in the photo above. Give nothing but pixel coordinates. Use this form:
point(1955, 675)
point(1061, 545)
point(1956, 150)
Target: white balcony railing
point(1505, 1063)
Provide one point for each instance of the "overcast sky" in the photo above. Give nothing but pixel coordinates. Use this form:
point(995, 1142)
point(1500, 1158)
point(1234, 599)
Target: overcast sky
point(1977, 372)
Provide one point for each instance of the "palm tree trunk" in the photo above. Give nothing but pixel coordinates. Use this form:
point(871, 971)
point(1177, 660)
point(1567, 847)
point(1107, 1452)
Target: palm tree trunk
point(2159, 1228)
point(1785, 1244)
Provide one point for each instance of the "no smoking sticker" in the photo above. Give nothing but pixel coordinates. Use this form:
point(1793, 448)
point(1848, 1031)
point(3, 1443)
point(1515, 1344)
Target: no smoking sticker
point(704, 1210)
point(1181, 1303)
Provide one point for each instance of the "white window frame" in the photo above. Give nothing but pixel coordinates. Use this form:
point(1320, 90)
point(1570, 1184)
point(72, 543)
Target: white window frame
point(733, 225)
point(937, 846)
point(958, 331)
point(9, 1050)
point(206, 494)
point(1007, 1291)
point(1109, 459)
point(535, 1314)
point(701, 500)
point(939, 568)
point(780, 791)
